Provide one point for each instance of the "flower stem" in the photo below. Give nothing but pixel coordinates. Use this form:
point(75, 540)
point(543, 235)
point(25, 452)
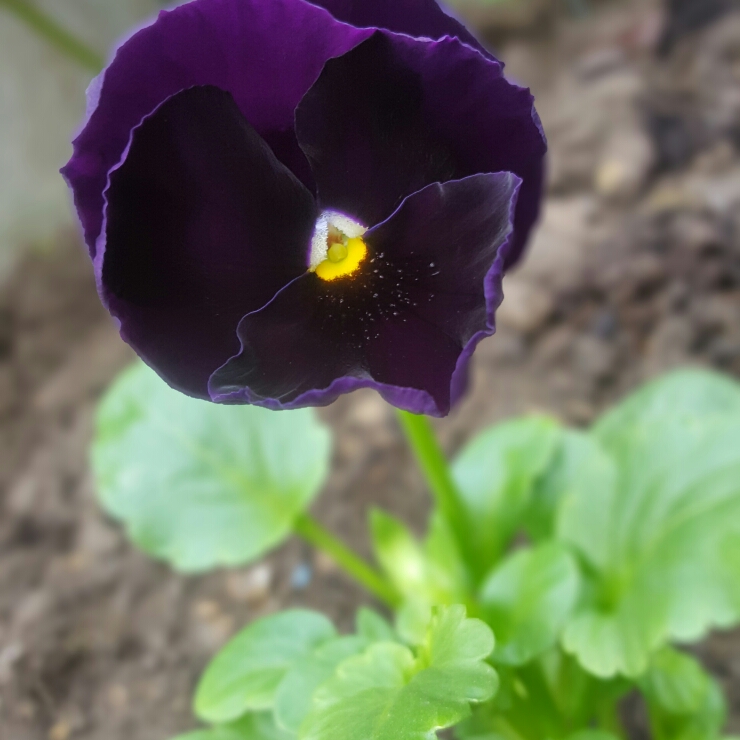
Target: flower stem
point(48, 29)
point(315, 534)
point(436, 470)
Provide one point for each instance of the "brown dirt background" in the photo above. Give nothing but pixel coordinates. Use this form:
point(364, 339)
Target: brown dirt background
point(635, 269)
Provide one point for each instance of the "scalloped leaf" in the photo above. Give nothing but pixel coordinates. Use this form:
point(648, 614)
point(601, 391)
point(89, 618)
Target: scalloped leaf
point(496, 473)
point(198, 484)
point(390, 692)
point(660, 526)
point(245, 675)
point(527, 600)
point(295, 692)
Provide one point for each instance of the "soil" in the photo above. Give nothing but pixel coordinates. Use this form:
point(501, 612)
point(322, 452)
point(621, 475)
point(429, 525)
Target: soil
point(635, 269)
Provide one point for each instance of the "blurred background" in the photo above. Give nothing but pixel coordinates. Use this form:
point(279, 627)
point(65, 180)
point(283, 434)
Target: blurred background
point(634, 269)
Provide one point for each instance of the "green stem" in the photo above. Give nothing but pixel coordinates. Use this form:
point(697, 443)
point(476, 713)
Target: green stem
point(311, 531)
point(437, 473)
point(607, 715)
point(46, 27)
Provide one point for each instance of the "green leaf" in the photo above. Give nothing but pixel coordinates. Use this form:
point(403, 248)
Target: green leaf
point(675, 682)
point(705, 724)
point(412, 621)
point(373, 627)
point(214, 733)
point(392, 693)
point(522, 708)
point(661, 525)
point(592, 735)
point(575, 694)
point(397, 552)
point(496, 473)
point(294, 694)
point(429, 573)
point(579, 462)
point(199, 484)
point(449, 579)
point(686, 394)
point(683, 701)
point(257, 726)
point(584, 484)
point(527, 600)
point(245, 674)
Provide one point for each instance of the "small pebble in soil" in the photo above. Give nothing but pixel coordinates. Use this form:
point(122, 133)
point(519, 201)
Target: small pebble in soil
point(301, 576)
point(118, 697)
point(60, 731)
point(324, 564)
point(605, 325)
point(252, 586)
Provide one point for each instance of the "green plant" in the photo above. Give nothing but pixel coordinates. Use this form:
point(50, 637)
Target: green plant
point(588, 554)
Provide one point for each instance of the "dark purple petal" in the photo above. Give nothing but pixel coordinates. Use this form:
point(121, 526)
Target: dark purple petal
point(409, 352)
point(203, 225)
point(299, 342)
point(441, 244)
point(405, 324)
point(396, 114)
point(418, 18)
point(266, 54)
point(445, 250)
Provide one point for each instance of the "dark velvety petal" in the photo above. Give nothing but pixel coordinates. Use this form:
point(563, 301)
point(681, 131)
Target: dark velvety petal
point(203, 225)
point(444, 254)
point(266, 54)
point(405, 324)
point(307, 347)
point(396, 114)
point(419, 18)
point(301, 341)
point(412, 353)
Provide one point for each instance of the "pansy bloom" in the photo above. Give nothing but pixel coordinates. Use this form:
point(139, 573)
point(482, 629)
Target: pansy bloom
point(288, 200)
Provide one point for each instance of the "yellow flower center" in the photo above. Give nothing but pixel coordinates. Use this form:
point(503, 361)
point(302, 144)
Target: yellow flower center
point(342, 259)
point(337, 246)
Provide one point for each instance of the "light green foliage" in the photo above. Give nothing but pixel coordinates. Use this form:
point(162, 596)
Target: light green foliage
point(660, 526)
point(391, 692)
point(215, 733)
point(295, 692)
point(527, 600)
point(198, 484)
point(579, 467)
point(398, 552)
point(675, 682)
point(684, 703)
point(430, 572)
point(373, 627)
point(246, 673)
point(550, 697)
point(496, 473)
point(591, 551)
point(257, 726)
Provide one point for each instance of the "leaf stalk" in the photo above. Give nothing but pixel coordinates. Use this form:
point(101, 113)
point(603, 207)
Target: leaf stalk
point(51, 31)
point(436, 471)
point(315, 534)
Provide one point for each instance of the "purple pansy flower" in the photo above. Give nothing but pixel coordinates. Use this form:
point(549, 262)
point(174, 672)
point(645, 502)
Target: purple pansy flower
point(288, 200)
